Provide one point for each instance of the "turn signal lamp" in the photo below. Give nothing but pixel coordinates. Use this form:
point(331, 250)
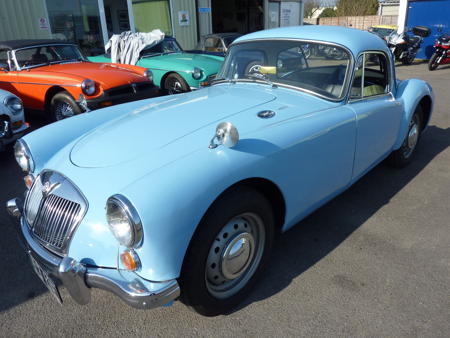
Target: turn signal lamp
point(29, 180)
point(130, 260)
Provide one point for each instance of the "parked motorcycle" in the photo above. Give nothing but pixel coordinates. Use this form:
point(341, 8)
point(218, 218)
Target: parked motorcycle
point(404, 46)
point(441, 56)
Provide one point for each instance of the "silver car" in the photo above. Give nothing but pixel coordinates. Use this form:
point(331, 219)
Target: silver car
point(12, 118)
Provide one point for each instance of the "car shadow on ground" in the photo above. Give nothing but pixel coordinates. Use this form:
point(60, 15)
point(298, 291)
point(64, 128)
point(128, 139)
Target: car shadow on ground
point(311, 240)
point(320, 233)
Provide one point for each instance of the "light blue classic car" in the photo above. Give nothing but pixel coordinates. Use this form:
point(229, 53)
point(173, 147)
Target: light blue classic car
point(12, 118)
point(180, 197)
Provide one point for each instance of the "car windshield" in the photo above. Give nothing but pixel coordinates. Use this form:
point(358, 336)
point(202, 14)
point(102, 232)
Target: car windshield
point(46, 55)
point(229, 39)
point(313, 67)
point(164, 47)
point(382, 32)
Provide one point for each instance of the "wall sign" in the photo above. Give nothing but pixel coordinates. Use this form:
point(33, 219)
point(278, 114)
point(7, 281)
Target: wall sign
point(43, 23)
point(183, 18)
point(204, 9)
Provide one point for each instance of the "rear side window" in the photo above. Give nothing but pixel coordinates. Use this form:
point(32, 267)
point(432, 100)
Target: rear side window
point(371, 76)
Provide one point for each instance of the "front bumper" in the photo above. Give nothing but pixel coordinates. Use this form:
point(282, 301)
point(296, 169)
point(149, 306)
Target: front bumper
point(78, 278)
point(7, 135)
point(121, 95)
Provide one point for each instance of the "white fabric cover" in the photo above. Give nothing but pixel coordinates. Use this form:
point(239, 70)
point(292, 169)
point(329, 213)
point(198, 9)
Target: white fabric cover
point(126, 46)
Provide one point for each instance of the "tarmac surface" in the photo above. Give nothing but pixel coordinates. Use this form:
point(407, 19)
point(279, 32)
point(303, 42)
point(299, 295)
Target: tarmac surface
point(375, 261)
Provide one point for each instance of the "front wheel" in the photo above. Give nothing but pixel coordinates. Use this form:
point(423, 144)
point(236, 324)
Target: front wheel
point(404, 155)
point(63, 106)
point(228, 252)
point(409, 59)
point(433, 63)
point(175, 84)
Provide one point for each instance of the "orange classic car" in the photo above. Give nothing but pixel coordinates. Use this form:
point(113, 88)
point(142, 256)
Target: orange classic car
point(55, 77)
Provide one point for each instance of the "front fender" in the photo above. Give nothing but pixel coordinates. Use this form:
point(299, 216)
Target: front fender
point(410, 93)
point(171, 203)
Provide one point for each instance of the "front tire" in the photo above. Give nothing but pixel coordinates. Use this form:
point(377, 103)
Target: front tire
point(63, 106)
point(433, 63)
point(404, 155)
point(175, 84)
point(408, 60)
point(228, 252)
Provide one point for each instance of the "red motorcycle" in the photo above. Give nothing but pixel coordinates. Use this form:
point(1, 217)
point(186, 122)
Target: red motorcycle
point(442, 54)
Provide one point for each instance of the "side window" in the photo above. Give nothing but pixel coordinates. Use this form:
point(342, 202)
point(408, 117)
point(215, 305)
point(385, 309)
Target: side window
point(212, 44)
point(372, 78)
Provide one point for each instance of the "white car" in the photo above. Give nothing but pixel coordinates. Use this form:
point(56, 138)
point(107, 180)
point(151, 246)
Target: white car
point(12, 118)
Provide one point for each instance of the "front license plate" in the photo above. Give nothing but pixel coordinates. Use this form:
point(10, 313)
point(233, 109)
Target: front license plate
point(46, 279)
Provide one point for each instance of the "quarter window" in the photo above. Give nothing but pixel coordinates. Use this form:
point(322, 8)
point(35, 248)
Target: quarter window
point(371, 76)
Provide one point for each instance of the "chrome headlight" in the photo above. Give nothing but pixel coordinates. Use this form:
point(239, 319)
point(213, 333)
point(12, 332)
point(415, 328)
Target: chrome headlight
point(14, 104)
point(23, 156)
point(197, 74)
point(148, 73)
point(88, 87)
point(124, 221)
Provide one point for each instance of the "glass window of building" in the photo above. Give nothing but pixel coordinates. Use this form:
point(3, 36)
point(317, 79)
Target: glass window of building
point(77, 21)
point(152, 14)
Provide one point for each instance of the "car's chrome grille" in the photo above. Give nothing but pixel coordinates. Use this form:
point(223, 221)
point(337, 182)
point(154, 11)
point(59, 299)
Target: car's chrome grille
point(53, 209)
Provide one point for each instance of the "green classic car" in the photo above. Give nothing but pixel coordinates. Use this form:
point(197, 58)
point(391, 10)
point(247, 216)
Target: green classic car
point(174, 70)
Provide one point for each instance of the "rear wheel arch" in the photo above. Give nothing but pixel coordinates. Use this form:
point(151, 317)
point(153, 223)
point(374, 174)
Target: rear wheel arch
point(426, 104)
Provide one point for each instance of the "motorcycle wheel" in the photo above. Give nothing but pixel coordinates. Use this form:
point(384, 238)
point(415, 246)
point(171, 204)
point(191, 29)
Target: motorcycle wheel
point(433, 63)
point(408, 60)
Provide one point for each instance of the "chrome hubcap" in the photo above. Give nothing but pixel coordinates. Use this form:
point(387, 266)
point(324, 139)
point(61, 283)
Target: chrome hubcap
point(234, 255)
point(237, 255)
point(413, 135)
point(412, 138)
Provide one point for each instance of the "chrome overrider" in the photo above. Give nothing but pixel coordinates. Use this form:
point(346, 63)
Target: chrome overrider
point(79, 278)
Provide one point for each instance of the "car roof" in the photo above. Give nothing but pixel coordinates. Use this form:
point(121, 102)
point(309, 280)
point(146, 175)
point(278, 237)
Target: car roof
point(16, 44)
point(355, 40)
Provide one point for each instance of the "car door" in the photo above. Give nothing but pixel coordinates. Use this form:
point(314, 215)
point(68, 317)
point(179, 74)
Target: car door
point(377, 111)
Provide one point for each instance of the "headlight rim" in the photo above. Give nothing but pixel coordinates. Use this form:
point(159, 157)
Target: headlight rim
point(88, 84)
point(27, 154)
point(197, 71)
point(6, 101)
point(133, 219)
point(149, 74)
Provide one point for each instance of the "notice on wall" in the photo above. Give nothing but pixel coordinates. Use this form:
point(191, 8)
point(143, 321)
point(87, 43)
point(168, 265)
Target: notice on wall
point(290, 14)
point(183, 18)
point(43, 23)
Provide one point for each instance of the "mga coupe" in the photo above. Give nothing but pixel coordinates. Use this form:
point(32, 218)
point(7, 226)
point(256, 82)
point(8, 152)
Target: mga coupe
point(174, 70)
point(179, 197)
point(54, 76)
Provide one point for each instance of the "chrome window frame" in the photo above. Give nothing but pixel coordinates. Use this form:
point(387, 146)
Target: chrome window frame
point(345, 83)
point(390, 82)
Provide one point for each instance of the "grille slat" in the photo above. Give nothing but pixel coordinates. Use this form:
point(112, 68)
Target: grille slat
point(52, 218)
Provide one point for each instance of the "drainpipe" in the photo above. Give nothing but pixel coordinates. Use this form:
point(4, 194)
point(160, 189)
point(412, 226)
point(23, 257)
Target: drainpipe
point(402, 13)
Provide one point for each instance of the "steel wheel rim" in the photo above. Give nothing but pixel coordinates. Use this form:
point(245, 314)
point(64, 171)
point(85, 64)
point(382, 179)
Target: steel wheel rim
point(234, 255)
point(175, 87)
point(411, 138)
point(63, 110)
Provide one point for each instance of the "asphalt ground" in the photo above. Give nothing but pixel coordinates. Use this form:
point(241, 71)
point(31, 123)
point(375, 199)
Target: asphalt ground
point(374, 262)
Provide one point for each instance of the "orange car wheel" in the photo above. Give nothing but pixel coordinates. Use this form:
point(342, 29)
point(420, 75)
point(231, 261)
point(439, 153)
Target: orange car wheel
point(63, 106)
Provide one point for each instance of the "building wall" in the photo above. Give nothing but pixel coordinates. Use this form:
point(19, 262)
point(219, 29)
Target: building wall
point(388, 9)
point(20, 19)
point(186, 35)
